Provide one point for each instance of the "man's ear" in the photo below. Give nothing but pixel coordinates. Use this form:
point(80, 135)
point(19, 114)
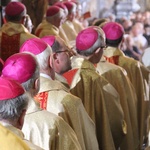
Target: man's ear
point(52, 66)
point(54, 55)
point(54, 60)
point(21, 119)
point(23, 20)
point(51, 61)
point(122, 43)
point(5, 18)
point(37, 84)
point(97, 51)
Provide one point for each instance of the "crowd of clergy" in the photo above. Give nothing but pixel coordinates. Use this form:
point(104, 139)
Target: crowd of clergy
point(70, 84)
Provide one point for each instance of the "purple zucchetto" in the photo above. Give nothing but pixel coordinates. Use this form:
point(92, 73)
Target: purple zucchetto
point(14, 8)
point(86, 39)
point(34, 46)
point(19, 67)
point(9, 89)
point(49, 39)
point(113, 30)
point(52, 10)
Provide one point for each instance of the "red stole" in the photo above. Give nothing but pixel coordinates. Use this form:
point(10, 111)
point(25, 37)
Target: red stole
point(113, 59)
point(70, 75)
point(9, 45)
point(42, 98)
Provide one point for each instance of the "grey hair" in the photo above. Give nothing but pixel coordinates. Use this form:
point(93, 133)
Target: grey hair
point(73, 10)
point(56, 46)
point(11, 109)
point(43, 58)
point(60, 14)
point(28, 85)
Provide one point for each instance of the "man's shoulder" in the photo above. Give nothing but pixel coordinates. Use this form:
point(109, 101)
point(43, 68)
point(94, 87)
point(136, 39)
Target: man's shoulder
point(42, 116)
point(129, 61)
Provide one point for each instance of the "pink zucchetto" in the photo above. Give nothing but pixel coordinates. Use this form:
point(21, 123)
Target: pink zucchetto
point(61, 5)
point(9, 89)
point(49, 39)
point(52, 10)
point(113, 30)
point(34, 46)
point(19, 67)
point(14, 8)
point(86, 39)
point(70, 6)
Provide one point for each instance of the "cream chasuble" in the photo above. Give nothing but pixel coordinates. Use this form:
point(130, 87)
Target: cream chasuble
point(100, 100)
point(48, 131)
point(46, 28)
point(55, 97)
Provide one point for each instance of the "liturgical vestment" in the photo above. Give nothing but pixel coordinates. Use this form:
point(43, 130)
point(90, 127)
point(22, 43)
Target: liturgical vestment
point(46, 28)
point(55, 97)
point(47, 130)
point(12, 36)
point(69, 30)
point(100, 100)
point(117, 76)
point(20, 134)
point(6, 136)
point(139, 77)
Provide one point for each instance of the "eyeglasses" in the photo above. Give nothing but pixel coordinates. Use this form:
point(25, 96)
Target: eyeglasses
point(69, 52)
point(63, 51)
point(104, 47)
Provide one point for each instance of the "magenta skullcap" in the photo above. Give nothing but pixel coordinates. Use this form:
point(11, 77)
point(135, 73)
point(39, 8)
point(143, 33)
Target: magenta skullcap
point(34, 46)
point(9, 89)
point(49, 39)
point(52, 10)
point(69, 5)
point(19, 67)
point(14, 8)
point(61, 5)
point(86, 39)
point(113, 30)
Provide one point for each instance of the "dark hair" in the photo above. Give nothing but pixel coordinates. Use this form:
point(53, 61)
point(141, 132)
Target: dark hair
point(98, 22)
point(56, 46)
point(114, 43)
point(16, 17)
